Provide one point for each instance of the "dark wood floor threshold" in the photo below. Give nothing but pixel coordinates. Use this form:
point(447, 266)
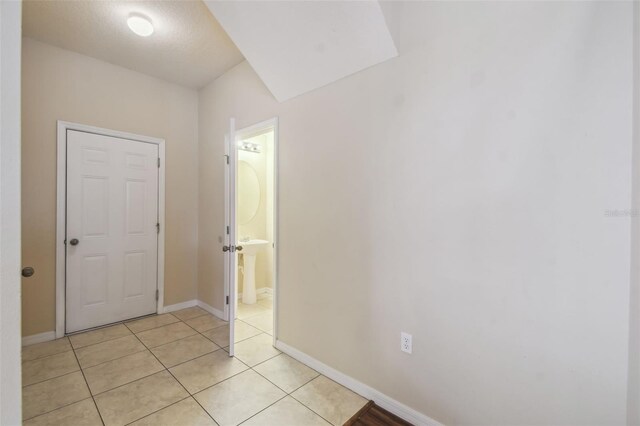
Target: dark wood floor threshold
point(372, 415)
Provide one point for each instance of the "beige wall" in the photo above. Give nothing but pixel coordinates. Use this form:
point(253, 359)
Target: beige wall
point(61, 85)
point(457, 192)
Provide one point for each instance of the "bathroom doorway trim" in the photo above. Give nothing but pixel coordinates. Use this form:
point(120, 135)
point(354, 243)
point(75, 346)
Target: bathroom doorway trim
point(258, 128)
point(61, 211)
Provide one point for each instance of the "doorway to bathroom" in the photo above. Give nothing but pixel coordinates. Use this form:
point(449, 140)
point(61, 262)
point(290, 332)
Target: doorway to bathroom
point(252, 231)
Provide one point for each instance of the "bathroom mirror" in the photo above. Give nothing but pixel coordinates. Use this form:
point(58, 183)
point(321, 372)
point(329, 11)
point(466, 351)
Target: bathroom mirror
point(248, 192)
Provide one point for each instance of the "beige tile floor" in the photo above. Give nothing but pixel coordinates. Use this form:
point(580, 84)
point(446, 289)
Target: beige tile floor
point(173, 369)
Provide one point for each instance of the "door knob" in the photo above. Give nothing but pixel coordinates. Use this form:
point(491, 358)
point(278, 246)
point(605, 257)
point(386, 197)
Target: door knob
point(226, 248)
point(28, 271)
point(239, 248)
point(74, 242)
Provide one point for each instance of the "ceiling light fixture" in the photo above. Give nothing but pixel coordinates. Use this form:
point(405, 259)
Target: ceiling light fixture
point(140, 25)
point(248, 146)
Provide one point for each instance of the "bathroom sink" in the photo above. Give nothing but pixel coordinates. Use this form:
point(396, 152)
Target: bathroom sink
point(252, 247)
point(249, 251)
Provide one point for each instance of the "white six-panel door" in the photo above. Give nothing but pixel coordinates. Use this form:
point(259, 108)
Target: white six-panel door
point(111, 238)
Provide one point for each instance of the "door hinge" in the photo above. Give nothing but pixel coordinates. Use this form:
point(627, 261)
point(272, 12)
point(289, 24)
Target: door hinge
point(227, 300)
point(227, 230)
point(157, 294)
point(158, 162)
point(158, 227)
point(226, 157)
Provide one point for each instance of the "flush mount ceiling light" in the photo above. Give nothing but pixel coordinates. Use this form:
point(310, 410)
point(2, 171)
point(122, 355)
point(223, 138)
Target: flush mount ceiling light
point(140, 25)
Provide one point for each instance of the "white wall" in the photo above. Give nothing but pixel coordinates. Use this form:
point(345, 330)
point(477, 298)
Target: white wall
point(458, 193)
point(633, 394)
point(63, 85)
point(10, 379)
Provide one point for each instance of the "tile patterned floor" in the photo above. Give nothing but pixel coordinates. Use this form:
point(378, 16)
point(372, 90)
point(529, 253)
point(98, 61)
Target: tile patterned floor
point(173, 369)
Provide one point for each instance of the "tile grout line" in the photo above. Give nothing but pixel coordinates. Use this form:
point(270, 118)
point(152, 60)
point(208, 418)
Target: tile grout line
point(286, 394)
point(265, 408)
point(143, 377)
point(78, 360)
point(275, 402)
point(196, 316)
point(252, 368)
point(165, 368)
point(249, 368)
point(128, 383)
point(257, 328)
point(192, 395)
point(145, 348)
point(312, 410)
point(180, 383)
point(24, 361)
point(125, 322)
point(170, 405)
point(166, 325)
point(192, 359)
point(97, 343)
point(224, 380)
point(186, 337)
point(81, 369)
point(152, 328)
point(59, 408)
point(115, 324)
point(90, 329)
point(234, 375)
point(51, 378)
point(305, 405)
point(203, 409)
point(88, 388)
point(289, 393)
point(114, 359)
point(317, 377)
point(222, 347)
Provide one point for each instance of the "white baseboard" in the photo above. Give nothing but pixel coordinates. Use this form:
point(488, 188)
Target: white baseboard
point(384, 401)
point(211, 309)
point(261, 290)
point(51, 335)
point(38, 338)
point(178, 306)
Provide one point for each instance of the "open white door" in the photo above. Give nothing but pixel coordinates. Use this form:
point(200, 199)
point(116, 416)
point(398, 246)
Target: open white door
point(231, 257)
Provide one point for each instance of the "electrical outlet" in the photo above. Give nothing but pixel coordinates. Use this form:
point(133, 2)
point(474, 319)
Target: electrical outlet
point(406, 342)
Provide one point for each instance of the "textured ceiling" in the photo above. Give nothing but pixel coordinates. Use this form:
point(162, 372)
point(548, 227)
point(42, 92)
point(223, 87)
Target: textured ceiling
point(188, 46)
